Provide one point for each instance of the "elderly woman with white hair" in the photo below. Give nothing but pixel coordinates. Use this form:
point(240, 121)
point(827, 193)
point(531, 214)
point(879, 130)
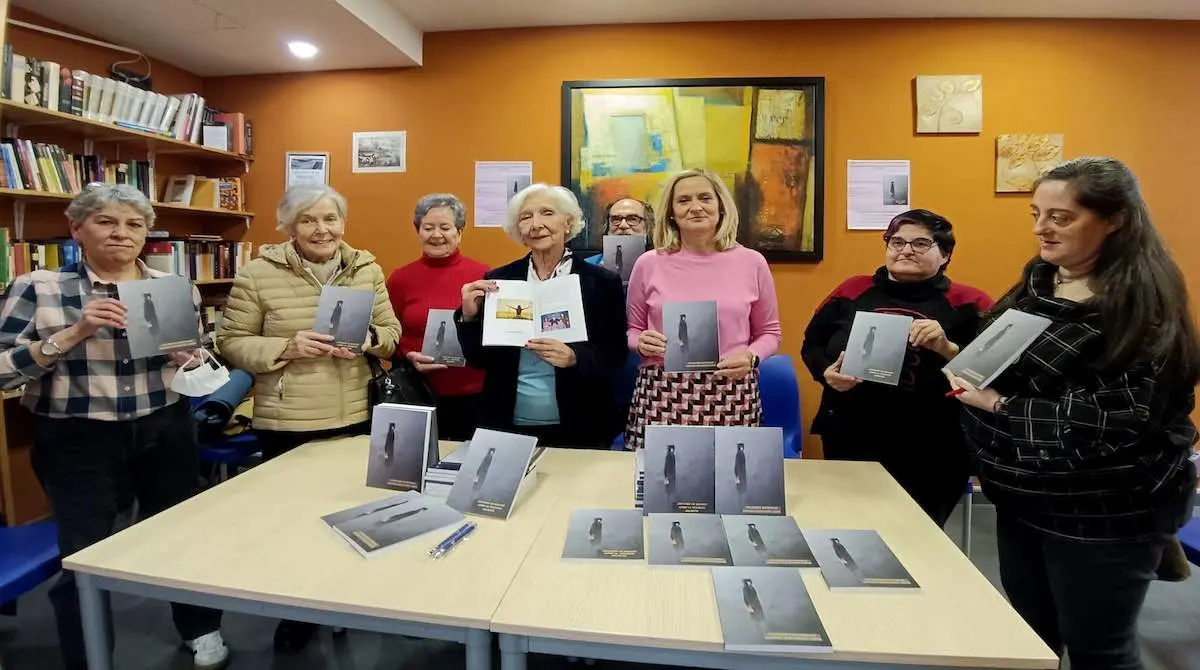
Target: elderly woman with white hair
point(548, 388)
point(306, 387)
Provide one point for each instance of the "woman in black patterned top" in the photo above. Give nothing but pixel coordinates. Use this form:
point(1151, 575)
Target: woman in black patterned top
point(1083, 444)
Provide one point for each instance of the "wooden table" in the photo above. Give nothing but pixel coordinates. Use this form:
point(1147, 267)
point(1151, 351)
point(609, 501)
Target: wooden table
point(633, 612)
point(256, 544)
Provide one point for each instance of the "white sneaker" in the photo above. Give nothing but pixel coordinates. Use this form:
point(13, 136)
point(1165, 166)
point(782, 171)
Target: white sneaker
point(210, 651)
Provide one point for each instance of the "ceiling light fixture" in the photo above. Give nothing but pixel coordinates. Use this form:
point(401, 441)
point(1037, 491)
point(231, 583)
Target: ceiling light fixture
point(302, 49)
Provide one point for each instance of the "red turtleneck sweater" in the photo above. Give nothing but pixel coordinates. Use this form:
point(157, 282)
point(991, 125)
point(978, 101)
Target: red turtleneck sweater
point(434, 283)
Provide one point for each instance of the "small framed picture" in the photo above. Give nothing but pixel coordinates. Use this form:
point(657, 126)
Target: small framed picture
point(306, 168)
point(380, 151)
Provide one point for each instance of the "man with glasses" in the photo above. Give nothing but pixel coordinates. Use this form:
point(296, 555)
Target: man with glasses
point(625, 216)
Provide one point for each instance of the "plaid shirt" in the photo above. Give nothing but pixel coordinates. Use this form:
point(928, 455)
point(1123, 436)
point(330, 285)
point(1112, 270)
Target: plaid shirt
point(1079, 451)
point(97, 379)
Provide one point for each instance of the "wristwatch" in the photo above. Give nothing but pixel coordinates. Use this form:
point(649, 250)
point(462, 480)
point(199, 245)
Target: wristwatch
point(754, 360)
point(50, 348)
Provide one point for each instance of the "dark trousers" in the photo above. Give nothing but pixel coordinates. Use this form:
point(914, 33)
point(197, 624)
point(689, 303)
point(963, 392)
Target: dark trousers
point(458, 416)
point(92, 469)
point(1084, 596)
point(278, 442)
point(935, 485)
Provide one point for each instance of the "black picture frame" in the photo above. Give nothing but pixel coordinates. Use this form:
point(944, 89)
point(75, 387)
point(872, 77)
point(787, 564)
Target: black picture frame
point(777, 243)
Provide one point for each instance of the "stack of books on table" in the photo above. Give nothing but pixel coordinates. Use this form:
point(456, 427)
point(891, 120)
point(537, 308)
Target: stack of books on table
point(639, 482)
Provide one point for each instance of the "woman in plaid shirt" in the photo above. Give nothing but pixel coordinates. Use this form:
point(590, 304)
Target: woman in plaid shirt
point(1083, 443)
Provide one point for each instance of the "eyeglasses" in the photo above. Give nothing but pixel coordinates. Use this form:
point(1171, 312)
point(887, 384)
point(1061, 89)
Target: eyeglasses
point(919, 245)
point(630, 219)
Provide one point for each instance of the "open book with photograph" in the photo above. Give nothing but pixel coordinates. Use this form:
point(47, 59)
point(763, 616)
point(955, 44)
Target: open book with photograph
point(161, 316)
point(345, 313)
point(621, 252)
point(441, 339)
point(382, 524)
point(521, 310)
point(767, 610)
point(403, 445)
point(997, 347)
point(877, 346)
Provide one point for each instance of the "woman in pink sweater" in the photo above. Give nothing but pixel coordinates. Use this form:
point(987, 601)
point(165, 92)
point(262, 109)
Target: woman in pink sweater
point(697, 258)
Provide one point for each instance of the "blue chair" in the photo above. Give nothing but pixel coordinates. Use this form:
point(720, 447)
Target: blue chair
point(1189, 537)
point(780, 391)
point(28, 556)
point(235, 451)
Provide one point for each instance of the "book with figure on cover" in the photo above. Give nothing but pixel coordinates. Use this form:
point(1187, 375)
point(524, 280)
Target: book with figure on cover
point(749, 470)
point(161, 316)
point(492, 473)
point(345, 313)
point(692, 341)
point(403, 445)
point(767, 610)
point(767, 541)
point(680, 469)
point(620, 253)
point(381, 524)
point(877, 346)
point(687, 539)
point(441, 339)
point(614, 534)
point(522, 310)
point(857, 559)
point(997, 347)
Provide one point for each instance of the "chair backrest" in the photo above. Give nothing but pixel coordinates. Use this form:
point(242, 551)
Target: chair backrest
point(28, 556)
point(780, 390)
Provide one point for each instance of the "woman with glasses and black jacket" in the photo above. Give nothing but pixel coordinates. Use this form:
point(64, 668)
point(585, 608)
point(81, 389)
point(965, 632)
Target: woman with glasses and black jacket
point(911, 428)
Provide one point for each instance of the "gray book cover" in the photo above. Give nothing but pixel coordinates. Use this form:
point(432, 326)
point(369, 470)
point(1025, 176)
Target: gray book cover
point(749, 471)
point(687, 539)
point(614, 534)
point(161, 316)
point(857, 559)
point(767, 610)
point(441, 339)
point(680, 475)
point(381, 524)
point(620, 253)
point(997, 347)
point(691, 330)
point(767, 541)
point(403, 444)
point(345, 313)
point(877, 346)
point(490, 476)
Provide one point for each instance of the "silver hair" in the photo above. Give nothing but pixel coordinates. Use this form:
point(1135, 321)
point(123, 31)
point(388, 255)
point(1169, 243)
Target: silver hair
point(433, 201)
point(563, 197)
point(298, 199)
point(97, 195)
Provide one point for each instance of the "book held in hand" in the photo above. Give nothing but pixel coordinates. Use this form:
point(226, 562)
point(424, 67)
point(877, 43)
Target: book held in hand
point(620, 253)
point(997, 347)
point(767, 541)
point(877, 346)
point(520, 311)
point(403, 445)
point(749, 470)
point(687, 539)
point(767, 610)
point(345, 313)
point(492, 473)
point(692, 342)
point(615, 534)
point(382, 524)
point(680, 470)
point(857, 559)
point(161, 316)
point(441, 339)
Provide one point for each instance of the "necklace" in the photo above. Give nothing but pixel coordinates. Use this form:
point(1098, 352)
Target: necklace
point(1059, 280)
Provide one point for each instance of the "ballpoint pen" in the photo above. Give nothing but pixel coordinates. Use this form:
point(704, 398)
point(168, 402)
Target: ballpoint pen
point(449, 543)
point(956, 392)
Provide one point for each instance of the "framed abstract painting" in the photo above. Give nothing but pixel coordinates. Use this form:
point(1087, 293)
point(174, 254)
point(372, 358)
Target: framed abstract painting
point(764, 137)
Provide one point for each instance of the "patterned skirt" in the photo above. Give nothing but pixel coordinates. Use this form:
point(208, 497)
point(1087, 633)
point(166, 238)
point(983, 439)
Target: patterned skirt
point(690, 399)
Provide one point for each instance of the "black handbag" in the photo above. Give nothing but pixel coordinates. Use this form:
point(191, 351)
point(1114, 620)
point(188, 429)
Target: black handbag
point(402, 384)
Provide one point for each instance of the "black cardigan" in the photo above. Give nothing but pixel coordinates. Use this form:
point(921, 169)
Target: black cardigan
point(585, 406)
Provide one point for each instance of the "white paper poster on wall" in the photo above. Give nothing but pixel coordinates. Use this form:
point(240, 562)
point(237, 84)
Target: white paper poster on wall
point(876, 192)
point(496, 182)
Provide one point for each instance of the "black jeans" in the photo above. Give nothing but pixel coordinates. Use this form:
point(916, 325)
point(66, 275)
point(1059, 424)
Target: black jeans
point(91, 469)
point(458, 416)
point(936, 485)
point(1084, 596)
point(276, 443)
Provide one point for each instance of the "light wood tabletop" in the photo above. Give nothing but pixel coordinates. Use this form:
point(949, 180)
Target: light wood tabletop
point(259, 536)
point(956, 618)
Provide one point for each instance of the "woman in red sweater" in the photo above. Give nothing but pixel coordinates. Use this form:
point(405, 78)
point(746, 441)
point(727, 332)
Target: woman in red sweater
point(435, 281)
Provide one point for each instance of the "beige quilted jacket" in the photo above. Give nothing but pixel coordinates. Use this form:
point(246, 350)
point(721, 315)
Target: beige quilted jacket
point(272, 298)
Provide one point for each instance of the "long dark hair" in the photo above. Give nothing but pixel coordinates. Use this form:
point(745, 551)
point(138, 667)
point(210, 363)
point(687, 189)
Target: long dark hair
point(1139, 290)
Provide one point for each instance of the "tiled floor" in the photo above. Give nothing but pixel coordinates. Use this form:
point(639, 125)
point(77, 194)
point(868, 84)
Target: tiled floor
point(1170, 633)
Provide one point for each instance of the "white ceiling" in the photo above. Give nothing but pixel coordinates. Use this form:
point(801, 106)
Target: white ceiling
point(229, 37)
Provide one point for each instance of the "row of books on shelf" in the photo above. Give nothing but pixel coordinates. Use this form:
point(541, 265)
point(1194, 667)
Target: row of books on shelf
point(184, 117)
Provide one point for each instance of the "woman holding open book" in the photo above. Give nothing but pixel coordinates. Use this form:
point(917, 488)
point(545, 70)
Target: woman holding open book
point(864, 420)
point(548, 388)
point(697, 258)
point(1083, 443)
